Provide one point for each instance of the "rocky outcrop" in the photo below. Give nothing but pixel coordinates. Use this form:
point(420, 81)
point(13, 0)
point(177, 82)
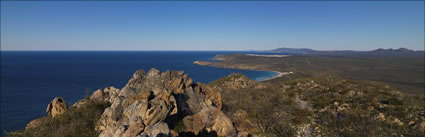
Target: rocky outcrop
point(210, 119)
point(236, 81)
point(56, 107)
point(108, 94)
point(142, 107)
point(239, 81)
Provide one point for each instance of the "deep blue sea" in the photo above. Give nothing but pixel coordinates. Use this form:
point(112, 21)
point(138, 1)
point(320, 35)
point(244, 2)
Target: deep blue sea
point(31, 79)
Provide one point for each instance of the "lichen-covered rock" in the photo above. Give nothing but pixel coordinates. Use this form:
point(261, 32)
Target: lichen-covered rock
point(56, 107)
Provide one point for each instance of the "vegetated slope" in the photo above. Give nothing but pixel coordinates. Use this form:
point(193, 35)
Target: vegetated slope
point(405, 73)
point(321, 107)
point(165, 104)
point(152, 104)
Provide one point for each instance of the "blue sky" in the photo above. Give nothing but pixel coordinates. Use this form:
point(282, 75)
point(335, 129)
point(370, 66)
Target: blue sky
point(186, 25)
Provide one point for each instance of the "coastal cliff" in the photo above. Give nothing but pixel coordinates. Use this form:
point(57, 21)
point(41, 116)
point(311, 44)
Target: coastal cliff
point(169, 104)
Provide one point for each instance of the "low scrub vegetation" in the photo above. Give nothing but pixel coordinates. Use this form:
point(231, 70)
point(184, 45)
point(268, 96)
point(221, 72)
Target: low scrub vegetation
point(73, 123)
point(327, 107)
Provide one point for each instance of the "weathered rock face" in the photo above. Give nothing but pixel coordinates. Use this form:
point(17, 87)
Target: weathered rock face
point(148, 99)
point(158, 130)
point(108, 94)
point(56, 107)
point(211, 119)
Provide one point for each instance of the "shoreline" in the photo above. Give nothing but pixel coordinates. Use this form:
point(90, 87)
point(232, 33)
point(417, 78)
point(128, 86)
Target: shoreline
point(279, 74)
point(210, 64)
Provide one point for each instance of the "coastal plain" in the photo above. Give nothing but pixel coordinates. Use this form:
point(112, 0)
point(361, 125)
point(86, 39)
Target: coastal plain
point(405, 73)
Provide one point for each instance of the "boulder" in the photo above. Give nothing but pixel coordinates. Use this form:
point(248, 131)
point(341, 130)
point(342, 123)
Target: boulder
point(191, 102)
point(212, 96)
point(159, 129)
point(108, 94)
point(111, 115)
point(210, 119)
point(98, 95)
point(157, 112)
point(79, 103)
point(137, 110)
point(198, 97)
point(56, 107)
point(135, 128)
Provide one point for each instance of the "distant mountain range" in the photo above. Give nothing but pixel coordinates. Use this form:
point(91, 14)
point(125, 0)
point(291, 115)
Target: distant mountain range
point(377, 52)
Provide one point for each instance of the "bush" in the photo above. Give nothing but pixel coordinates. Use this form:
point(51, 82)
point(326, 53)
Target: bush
point(79, 122)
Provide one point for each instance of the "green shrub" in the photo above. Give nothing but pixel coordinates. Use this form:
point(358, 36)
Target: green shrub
point(79, 122)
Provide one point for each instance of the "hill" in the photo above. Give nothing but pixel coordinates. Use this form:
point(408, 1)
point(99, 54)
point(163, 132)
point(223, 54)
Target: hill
point(377, 52)
point(405, 73)
point(162, 104)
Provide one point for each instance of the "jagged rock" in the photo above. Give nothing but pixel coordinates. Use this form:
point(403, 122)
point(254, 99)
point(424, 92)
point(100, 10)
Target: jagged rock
point(135, 127)
point(157, 112)
point(111, 115)
point(108, 94)
point(155, 81)
point(136, 110)
point(157, 130)
point(79, 103)
point(112, 93)
point(212, 97)
point(191, 102)
point(56, 106)
point(149, 98)
point(209, 119)
point(170, 101)
point(98, 95)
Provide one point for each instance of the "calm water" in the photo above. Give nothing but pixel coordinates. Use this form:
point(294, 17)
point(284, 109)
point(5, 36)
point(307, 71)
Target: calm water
point(30, 80)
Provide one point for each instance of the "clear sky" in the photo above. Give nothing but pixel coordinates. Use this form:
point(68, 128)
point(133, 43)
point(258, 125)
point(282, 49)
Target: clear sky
point(186, 25)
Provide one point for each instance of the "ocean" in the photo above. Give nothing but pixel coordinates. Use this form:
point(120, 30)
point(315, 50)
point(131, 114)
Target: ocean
point(31, 79)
